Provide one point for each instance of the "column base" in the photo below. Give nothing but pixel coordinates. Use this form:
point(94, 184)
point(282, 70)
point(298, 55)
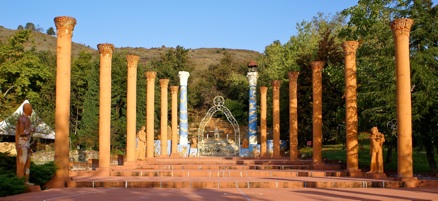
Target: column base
point(130, 164)
point(318, 165)
point(355, 173)
point(32, 188)
point(375, 175)
point(175, 155)
point(408, 182)
point(102, 172)
point(57, 182)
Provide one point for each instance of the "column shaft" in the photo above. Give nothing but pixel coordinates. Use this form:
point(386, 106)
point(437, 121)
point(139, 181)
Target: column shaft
point(183, 115)
point(252, 113)
point(317, 113)
point(163, 124)
point(174, 91)
point(263, 114)
point(351, 121)
point(105, 51)
point(131, 113)
point(150, 95)
point(276, 117)
point(293, 115)
point(64, 26)
point(401, 29)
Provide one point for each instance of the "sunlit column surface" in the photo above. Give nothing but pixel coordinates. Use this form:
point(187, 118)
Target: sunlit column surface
point(293, 115)
point(131, 113)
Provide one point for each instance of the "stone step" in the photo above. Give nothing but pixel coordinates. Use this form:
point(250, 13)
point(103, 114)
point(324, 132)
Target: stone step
point(226, 173)
point(214, 167)
point(222, 182)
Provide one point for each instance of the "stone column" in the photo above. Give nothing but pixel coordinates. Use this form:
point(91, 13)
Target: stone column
point(276, 116)
point(263, 113)
point(174, 91)
point(252, 113)
point(293, 115)
point(150, 95)
point(183, 116)
point(351, 121)
point(106, 51)
point(164, 83)
point(131, 111)
point(317, 113)
point(64, 26)
point(401, 29)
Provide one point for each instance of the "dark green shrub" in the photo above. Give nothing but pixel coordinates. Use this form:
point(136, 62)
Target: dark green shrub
point(40, 174)
point(11, 184)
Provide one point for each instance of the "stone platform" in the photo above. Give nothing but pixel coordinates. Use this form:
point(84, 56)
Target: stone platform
point(229, 172)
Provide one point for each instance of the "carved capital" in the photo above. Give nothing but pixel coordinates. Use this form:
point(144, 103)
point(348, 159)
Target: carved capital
point(174, 89)
point(317, 65)
point(150, 75)
point(65, 24)
point(252, 78)
point(183, 77)
point(132, 61)
point(263, 90)
point(350, 47)
point(401, 27)
point(105, 48)
point(293, 75)
point(276, 83)
point(164, 83)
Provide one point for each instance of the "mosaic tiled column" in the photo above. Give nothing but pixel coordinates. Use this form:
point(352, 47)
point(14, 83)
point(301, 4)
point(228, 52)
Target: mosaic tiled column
point(401, 29)
point(263, 114)
point(64, 26)
point(276, 116)
point(174, 91)
point(252, 113)
point(317, 113)
point(183, 116)
point(351, 121)
point(131, 112)
point(164, 83)
point(106, 53)
point(293, 115)
point(150, 95)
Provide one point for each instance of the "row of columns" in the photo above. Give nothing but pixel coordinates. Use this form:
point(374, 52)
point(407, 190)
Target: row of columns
point(65, 26)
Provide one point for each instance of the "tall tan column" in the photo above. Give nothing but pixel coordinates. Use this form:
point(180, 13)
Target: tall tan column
point(164, 83)
point(293, 115)
point(131, 113)
point(64, 26)
point(401, 29)
point(106, 51)
point(276, 116)
point(351, 121)
point(174, 91)
point(150, 94)
point(317, 113)
point(263, 112)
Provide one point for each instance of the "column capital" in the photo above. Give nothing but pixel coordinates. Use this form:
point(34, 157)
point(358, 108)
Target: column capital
point(401, 27)
point(263, 89)
point(293, 75)
point(317, 65)
point(276, 83)
point(183, 77)
point(150, 75)
point(174, 89)
point(65, 24)
point(164, 83)
point(105, 48)
point(132, 60)
point(350, 47)
point(252, 78)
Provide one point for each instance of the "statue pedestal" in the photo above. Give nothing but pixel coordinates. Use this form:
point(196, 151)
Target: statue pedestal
point(32, 188)
point(355, 173)
point(375, 175)
point(409, 182)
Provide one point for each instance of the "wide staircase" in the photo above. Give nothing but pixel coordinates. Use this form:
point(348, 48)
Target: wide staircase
point(228, 172)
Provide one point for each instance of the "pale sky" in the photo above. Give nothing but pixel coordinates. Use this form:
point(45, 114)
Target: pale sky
point(236, 24)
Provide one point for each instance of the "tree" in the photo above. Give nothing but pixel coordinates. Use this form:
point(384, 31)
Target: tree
point(50, 31)
point(20, 27)
point(30, 26)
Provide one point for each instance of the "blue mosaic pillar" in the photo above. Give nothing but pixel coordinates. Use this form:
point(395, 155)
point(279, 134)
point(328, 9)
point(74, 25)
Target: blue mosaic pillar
point(252, 117)
point(183, 117)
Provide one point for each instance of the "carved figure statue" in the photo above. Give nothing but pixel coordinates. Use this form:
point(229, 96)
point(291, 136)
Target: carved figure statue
point(194, 143)
point(216, 134)
point(245, 143)
point(376, 142)
point(141, 146)
point(23, 133)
